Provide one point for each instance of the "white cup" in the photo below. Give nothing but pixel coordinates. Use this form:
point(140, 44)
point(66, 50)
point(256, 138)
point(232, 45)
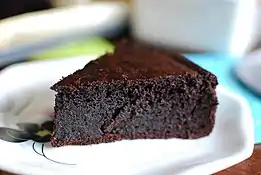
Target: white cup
point(226, 26)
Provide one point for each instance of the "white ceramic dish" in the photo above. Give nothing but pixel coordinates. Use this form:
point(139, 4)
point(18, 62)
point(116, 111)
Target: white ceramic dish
point(28, 34)
point(230, 142)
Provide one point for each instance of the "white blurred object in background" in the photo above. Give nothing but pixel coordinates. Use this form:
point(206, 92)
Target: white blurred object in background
point(226, 26)
point(61, 3)
point(248, 71)
point(85, 20)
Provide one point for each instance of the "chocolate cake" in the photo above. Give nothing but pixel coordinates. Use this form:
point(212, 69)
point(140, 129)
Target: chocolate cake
point(137, 92)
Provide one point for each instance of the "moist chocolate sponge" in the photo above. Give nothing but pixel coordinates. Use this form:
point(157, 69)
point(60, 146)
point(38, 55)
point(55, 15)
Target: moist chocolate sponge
point(137, 92)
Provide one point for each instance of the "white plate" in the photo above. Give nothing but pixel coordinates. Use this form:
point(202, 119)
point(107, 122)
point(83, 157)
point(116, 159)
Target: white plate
point(231, 141)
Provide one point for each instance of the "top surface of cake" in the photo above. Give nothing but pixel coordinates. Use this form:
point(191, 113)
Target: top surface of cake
point(130, 61)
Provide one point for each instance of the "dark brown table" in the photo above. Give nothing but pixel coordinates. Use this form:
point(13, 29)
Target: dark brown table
point(251, 166)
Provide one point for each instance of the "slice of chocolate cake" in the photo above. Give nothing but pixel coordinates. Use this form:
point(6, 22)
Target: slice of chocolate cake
point(135, 93)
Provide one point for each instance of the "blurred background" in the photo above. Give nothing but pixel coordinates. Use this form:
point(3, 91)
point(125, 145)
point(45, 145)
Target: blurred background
point(221, 36)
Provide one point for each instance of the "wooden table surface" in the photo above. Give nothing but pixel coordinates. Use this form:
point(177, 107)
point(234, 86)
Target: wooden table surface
point(251, 166)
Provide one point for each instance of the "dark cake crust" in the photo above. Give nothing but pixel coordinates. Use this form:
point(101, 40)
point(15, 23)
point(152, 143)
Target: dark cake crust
point(130, 61)
point(136, 93)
